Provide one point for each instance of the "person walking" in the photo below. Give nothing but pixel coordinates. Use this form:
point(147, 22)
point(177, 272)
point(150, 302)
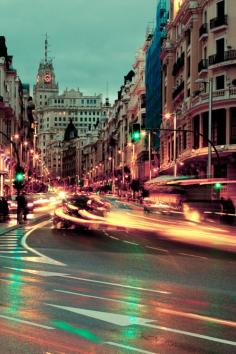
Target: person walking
point(21, 208)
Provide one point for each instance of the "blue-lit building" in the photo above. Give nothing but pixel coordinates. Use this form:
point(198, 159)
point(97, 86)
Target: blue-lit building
point(153, 69)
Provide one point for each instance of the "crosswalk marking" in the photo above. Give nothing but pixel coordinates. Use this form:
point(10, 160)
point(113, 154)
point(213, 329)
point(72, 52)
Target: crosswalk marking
point(15, 251)
point(10, 244)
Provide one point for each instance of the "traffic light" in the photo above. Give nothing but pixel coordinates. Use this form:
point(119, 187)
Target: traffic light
point(19, 178)
point(217, 186)
point(136, 134)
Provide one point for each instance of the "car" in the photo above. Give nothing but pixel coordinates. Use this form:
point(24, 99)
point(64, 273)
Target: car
point(75, 204)
point(152, 206)
point(12, 204)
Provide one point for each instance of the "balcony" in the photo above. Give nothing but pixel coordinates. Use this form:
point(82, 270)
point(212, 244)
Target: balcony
point(202, 65)
point(222, 57)
point(203, 31)
point(178, 65)
point(217, 22)
point(177, 91)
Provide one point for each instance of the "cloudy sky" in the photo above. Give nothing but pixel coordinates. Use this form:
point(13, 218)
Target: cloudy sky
point(92, 42)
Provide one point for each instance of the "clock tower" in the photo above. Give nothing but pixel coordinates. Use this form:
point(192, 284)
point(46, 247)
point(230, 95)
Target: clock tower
point(45, 86)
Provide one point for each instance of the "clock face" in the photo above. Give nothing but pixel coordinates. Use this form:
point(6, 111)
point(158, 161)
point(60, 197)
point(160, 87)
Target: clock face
point(47, 77)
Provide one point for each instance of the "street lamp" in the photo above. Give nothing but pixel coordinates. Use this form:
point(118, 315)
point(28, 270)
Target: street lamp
point(113, 172)
point(121, 152)
point(210, 82)
point(168, 115)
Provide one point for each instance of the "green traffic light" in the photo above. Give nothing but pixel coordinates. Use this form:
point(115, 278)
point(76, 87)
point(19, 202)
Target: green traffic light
point(218, 185)
point(20, 177)
point(136, 136)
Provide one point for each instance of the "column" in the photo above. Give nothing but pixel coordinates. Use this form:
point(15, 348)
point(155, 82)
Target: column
point(200, 130)
point(228, 121)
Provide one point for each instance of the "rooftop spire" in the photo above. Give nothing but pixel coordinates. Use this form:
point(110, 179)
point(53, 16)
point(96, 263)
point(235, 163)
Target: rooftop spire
point(46, 48)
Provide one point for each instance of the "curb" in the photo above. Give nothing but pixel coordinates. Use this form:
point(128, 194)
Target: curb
point(15, 227)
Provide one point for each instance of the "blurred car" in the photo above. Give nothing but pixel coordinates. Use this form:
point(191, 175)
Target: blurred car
point(221, 210)
point(12, 204)
point(151, 206)
point(76, 203)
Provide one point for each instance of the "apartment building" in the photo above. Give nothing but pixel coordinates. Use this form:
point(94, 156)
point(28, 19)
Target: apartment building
point(199, 76)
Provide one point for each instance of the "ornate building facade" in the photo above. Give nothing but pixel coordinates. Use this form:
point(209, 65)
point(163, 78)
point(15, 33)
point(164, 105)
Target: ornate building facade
point(199, 70)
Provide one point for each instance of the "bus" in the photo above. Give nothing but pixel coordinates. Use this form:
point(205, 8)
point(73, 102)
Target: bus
point(196, 198)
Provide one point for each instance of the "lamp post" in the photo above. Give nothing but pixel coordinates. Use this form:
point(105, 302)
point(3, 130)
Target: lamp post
point(144, 133)
point(121, 152)
point(113, 172)
point(168, 115)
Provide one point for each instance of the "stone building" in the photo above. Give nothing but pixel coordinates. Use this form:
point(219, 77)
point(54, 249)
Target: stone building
point(199, 71)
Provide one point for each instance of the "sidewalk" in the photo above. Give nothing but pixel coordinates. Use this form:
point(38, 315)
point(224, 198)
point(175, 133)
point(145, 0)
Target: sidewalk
point(12, 223)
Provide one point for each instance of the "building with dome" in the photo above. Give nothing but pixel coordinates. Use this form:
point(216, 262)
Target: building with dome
point(56, 111)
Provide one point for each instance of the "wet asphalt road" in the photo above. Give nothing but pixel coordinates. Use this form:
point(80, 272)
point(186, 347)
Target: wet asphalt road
point(113, 292)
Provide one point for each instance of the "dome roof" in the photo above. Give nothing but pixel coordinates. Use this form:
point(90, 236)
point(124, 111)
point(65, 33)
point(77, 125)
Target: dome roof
point(71, 132)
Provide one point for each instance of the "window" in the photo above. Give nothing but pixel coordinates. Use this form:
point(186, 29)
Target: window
point(188, 37)
point(184, 137)
point(188, 66)
point(220, 82)
point(220, 9)
point(55, 118)
point(220, 47)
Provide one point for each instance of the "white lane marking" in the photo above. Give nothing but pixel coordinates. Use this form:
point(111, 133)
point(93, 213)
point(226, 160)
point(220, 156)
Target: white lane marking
point(46, 259)
point(192, 334)
point(98, 297)
point(131, 243)
point(25, 322)
point(191, 255)
point(124, 320)
point(16, 251)
point(114, 318)
point(157, 249)
point(113, 237)
point(127, 347)
point(55, 274)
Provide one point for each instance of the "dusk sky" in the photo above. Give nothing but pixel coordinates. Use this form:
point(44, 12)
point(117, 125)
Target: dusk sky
point(91, 42)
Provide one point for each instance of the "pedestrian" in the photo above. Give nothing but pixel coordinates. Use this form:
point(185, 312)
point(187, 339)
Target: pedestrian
point(22, 210)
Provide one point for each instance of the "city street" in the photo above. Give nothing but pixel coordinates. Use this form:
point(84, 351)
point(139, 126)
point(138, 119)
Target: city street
point(114, 291)
point(118, 177)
